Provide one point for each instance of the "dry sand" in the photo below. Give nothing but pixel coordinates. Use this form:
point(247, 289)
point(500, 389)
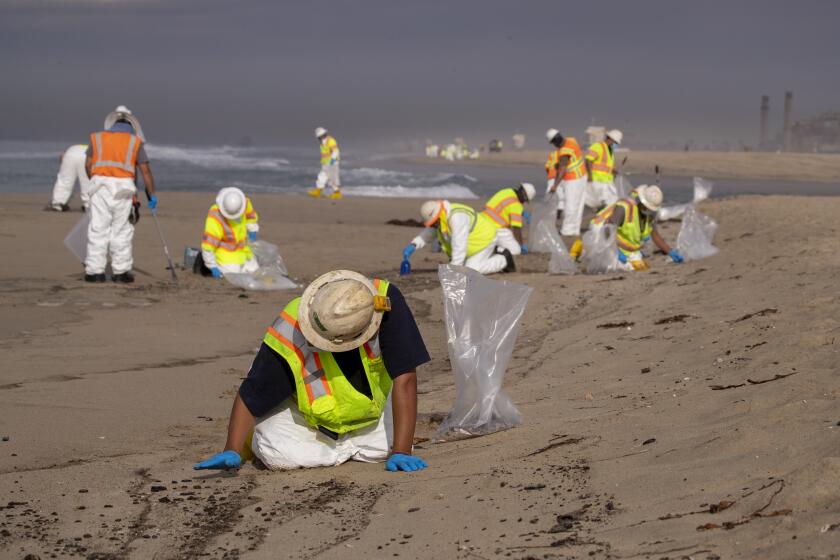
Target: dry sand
point(713, 428)
point(713, 165)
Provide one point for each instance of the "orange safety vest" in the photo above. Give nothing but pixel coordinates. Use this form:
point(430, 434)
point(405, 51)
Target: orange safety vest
point(114, 154)
point(576, 168)
point(551, 164)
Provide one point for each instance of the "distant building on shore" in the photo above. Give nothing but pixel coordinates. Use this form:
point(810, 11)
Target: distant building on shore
point(819, 134)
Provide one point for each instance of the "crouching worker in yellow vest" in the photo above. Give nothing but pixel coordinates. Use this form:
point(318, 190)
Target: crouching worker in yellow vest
point(507, 212)
point(468, 237)
point(231, 223)
point(334, 380)
point(635, 220)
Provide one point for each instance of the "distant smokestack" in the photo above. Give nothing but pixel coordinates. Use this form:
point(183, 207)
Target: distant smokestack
point(787, 137)
point(765, 113)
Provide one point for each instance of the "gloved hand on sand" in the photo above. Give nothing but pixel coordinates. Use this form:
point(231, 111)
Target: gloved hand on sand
point(224, 460)
point(402, 462)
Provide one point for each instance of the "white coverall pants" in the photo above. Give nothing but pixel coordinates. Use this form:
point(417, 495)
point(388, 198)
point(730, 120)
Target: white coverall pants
point(248, 267)
point(575, 194)
point(599, 195)
point(485, 261)
point(506, 240)
point(72, 169)
point(284, 440)
point(561, 196)
point(109, 229)
point(328, 176)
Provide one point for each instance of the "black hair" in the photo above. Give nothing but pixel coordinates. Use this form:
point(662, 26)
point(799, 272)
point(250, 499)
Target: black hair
point(558, 140)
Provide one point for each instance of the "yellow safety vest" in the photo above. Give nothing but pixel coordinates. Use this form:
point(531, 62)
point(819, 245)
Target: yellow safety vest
point(602, 161)
point(228, 239)
point(635, 229)
point(323, 395)
point(482, 230)
point(328, 146)
point(505, 209)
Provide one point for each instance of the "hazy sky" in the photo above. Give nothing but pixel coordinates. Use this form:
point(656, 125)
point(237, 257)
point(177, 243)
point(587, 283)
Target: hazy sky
point(377, 72)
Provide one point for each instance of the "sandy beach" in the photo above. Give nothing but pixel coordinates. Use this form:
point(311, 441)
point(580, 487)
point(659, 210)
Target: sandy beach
point(713, 165)
point(689, 412)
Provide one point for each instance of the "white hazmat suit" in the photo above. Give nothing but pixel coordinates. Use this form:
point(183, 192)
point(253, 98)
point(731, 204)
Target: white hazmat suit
point(72, 169)
point(110, 206)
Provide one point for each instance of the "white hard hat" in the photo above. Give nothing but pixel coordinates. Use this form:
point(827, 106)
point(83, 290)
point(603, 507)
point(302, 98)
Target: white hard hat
point(530, 191)
point(340, 311)
point(430, 211)
point(320, 131)
point(650, 196)
point(616, 135)
point(231, 202)
point(551, 133)
point(124, 113)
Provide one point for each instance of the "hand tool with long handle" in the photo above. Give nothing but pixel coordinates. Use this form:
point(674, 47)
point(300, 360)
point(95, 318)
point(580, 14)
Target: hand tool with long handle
point(165, 248)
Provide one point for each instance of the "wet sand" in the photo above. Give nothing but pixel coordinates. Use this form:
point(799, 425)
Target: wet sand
point(712, 165)
point(706, 426)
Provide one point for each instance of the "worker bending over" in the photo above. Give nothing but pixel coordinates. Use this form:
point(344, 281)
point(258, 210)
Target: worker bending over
point(467, 237)
point(112, 157)
point(334, 380)
point(71, 169)
point(231, 223)
point(601, 171)
point(330, 158)
point(635, 220)
point(570, 177)
point(506, 210)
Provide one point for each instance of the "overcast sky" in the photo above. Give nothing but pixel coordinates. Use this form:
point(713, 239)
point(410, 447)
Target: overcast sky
point(377, 72)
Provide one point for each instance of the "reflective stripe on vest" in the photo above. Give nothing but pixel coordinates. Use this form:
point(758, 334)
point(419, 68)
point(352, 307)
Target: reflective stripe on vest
point(551, 164)
point(629, 235)
point(575, 168)
point(124, 167)
point(327, 147)
point(324, 395)
point(495, 209)
point(228, 242)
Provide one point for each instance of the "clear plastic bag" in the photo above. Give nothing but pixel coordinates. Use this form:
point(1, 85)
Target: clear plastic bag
point(542, 212)
point(600, 253)
point(696, 234)
point(482, 321)
point(623, 186)
point(76, 240)
point(702, 191)
point(272, 273)
point(561, 262)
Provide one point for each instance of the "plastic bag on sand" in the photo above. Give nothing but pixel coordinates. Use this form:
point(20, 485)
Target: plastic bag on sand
point(600, 253)
point(702, 190)
point(482, 321)
point(542, 212)
point(76, 240)
point(696, 234)
point(272, 274)
point(561, 262)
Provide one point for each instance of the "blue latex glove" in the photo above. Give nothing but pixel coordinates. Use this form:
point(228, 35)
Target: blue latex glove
point(223, 460)
point(332, 161)
point(402, 462)
point(252, 236)
point(526, 216)
point(216, 272)
point(676, 256)
point(524, 248)
point(405, 268)
point(407, 252)
point(153, 202)
point(622, 258)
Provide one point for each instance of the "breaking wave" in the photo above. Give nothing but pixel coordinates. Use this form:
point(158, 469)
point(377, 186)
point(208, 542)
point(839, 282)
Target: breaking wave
point(225, 157)
point(399, 191)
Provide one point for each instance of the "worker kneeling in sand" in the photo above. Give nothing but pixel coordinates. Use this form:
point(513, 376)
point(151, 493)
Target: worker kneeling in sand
point(635, 219)
point(334, 380)
point(468, 237)
point(72, 169)
point(506, 210)
point(231, 223)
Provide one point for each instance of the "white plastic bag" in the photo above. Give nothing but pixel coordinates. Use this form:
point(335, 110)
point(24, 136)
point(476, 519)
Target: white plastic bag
point(600, 253)
point(76, 240)
point(542, 212)
point(696, 234)
point(702, 190)
point(482, 321)
point(561, 262)
point(272, 273)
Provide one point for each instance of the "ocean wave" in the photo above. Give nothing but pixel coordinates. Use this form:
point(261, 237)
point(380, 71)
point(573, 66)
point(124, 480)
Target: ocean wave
point(362, 174)
point(224, 157)
point(441, 191)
